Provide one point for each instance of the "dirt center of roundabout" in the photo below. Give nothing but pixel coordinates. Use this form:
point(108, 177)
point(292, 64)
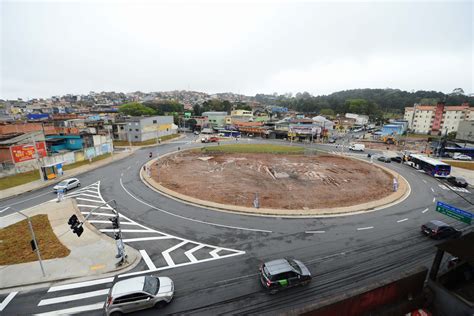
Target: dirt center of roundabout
point(281, 181)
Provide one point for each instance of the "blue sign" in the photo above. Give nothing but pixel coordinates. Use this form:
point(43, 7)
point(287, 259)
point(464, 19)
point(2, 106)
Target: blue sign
point(454, 212)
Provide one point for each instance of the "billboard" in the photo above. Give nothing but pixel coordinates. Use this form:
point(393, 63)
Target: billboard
point(27, 152)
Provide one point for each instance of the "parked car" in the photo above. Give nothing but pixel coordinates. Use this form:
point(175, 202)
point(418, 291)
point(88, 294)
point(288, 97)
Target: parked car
point(139, 293)
point(438, 229)
point(458, 156)
point(204, 140)
point(280, 274)
point(67, 185)
point(384, 159)
point(213, 139)
point(457, 181)
point(397, 159)
point(196, 133)
point(331, 140)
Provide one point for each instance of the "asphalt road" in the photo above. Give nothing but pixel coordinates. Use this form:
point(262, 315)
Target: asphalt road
point(213, 257)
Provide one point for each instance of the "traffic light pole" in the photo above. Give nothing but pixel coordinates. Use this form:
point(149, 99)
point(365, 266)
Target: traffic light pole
point(37, 250)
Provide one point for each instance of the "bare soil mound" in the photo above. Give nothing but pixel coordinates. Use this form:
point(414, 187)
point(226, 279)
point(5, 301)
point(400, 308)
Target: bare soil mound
point(281, 181)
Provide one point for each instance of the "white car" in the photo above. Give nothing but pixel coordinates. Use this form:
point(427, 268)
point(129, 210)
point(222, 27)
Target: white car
point(139, 293)
point(458, 156)
point(67, 185)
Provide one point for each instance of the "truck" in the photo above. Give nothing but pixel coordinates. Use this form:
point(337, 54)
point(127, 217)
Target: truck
point(357, 147)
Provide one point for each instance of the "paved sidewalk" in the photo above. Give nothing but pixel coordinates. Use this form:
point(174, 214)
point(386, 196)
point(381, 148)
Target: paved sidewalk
point(92, 255)
point(38, 184)
point(465, 173)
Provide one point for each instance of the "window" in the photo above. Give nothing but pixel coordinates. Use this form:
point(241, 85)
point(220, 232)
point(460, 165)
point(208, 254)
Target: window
point(121, 127)
point(136, 130)
point(154, 122)
point(136, 136)
point(131, 298)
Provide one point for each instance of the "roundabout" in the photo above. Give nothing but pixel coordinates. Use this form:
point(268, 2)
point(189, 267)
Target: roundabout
point(275, 180)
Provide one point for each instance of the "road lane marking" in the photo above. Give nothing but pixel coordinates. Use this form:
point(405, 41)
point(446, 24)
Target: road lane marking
point(147, 260)
point(108, 222)
point(424, 180)
point(7, 300)
point(79, 284)
point(190, 255)
point(73, 297)
point(315, 232)
point(214, 252)
point(89, 200)
point(434, 199)
point(74, 310)
point(6, 208)
point(166, 253)
point(402, 220)
point(100, 214)
point(432, 190)
point(147, 238)
point(127, 230)
point(425, 210)
point(191, 219)
point(365, 228)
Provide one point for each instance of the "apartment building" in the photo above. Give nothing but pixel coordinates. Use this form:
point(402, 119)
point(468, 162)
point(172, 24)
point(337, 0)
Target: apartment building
point(139, 129)
point(433, 119)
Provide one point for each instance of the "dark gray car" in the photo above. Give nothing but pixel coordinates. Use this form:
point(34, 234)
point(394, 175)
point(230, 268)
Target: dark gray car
point(284, 273)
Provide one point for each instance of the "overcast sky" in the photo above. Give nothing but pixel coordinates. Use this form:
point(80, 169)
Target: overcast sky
point(55, 48)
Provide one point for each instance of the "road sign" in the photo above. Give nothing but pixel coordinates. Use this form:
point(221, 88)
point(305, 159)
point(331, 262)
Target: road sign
point(456, 213)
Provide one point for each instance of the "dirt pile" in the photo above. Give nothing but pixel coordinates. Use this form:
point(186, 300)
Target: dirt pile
point(281, 181)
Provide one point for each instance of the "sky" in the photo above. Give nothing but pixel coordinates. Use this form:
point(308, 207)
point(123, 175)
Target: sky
point(60, 47)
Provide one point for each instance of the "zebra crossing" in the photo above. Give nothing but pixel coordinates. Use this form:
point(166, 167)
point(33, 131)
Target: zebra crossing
point(172, 251)
point(74, 298)
point(453, 188)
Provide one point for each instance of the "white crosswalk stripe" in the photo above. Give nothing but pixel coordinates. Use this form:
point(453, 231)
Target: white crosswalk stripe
point(73, 297)
point(74, 310)
point(453, 188)
point(138, 234)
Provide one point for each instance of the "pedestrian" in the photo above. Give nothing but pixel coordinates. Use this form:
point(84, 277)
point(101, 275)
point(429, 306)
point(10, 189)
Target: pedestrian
point(144, 167)
point(151, 154)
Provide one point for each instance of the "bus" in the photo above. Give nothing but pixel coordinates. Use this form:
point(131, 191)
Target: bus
point(431, 166)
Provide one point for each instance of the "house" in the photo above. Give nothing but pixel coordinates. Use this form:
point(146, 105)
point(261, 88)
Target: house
point(139, 129)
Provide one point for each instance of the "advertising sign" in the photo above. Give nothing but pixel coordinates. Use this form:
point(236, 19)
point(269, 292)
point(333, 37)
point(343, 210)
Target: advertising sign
point(27, 152)
point(456, 213)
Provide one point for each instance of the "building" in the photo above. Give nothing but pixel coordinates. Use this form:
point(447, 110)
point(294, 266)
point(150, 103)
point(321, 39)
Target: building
point(359, 119)
point(216, 119)
point(140, 129)
point(465, 131)
point(241, 115)
point(323, 122)
point(437, 119)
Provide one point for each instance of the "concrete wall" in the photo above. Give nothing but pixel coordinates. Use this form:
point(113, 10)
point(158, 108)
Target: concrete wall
point(466, 131)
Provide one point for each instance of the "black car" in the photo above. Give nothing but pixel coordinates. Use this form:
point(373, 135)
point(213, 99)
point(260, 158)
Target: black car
point(396, 159)
point(281, 274)
point(457, 181)
point(438, 230)
point(384, 159)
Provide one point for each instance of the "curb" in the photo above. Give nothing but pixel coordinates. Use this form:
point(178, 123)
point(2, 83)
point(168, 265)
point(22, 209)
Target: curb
point(110, 273)
point(153, 145)
point(152, 184)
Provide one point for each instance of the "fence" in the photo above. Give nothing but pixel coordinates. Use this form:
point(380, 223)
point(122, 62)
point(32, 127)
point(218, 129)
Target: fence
point(8, 168)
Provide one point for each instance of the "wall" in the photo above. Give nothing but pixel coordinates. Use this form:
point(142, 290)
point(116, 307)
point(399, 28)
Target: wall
point(466, 131)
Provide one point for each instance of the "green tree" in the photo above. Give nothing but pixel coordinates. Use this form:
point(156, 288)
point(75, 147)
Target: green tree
point(136, 109)
point(197, 110)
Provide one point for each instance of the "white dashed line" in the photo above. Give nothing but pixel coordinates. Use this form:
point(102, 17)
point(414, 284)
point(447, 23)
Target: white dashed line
point(432, 190)
point(6, 208)
point(425, 210)
point(315, 232)
point(365, 228)
point(402, 220)
point(424, 180)
point(434, 199)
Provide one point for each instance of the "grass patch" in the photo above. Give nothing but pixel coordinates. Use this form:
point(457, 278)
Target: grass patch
point(85, 162)
point(245, 148)
point(424, 136)
point(461, 164)
point(19, 179)
point(15, 242)
point(146, 142)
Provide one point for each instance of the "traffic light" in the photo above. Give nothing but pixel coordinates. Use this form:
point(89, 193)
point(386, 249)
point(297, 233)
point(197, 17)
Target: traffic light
point(76, 225)
point(115, 222)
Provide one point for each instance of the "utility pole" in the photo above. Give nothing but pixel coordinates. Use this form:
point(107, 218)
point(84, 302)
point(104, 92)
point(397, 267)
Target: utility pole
point(111, 141)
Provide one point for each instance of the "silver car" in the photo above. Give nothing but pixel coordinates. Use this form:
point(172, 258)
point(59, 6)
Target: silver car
point(67, 185)
point(139, 293)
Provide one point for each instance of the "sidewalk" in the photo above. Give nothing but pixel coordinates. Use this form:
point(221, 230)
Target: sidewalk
point(92, 255)
point(465, 173)
point(38, 184)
